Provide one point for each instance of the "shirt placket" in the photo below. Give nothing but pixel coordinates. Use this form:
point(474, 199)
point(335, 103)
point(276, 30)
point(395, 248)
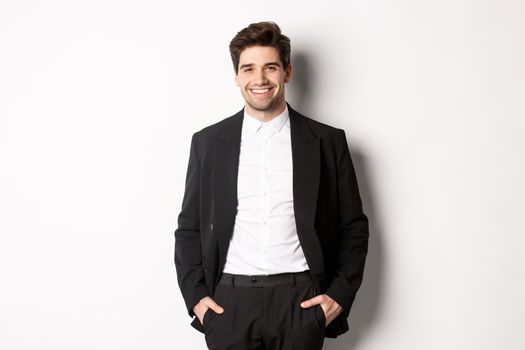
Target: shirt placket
point(264, 197)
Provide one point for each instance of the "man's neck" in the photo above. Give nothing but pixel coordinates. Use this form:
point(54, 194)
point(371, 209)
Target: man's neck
point(265, 116)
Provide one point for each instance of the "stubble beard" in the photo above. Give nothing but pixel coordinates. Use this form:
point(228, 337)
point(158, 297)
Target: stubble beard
point(269, 106)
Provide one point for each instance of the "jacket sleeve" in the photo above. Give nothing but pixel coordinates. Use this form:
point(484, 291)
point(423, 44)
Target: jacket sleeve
point(188, 254)
point(352, 231)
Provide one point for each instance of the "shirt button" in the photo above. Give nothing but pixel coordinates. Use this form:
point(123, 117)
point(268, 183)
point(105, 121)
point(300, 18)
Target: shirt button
point(212, 227)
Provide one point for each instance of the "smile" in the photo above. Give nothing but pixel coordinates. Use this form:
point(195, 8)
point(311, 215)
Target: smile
point(260, 91)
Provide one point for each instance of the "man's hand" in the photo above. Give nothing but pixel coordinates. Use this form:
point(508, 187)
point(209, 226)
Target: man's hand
point(330, 307)
point(203, 305)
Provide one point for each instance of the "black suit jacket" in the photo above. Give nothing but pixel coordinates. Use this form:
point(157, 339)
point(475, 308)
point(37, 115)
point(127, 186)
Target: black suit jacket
point(331, 225)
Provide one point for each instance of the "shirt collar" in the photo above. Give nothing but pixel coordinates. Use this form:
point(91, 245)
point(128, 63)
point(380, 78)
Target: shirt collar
point(252, 125)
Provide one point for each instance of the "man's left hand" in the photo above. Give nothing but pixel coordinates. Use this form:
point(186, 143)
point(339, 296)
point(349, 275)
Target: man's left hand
point(330, 307)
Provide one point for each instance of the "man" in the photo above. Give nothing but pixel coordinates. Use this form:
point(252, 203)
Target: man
point(272, 239)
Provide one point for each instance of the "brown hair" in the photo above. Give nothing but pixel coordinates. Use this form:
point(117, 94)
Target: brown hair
point(260, 34)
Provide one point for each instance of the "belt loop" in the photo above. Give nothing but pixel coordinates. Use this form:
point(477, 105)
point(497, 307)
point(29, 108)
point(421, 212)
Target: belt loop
point(233, 284)
point(293, 279)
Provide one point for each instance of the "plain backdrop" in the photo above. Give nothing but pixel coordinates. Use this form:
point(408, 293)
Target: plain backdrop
point(98, 102)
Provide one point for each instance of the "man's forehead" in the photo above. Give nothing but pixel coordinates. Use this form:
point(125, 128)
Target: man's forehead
point(258, 54)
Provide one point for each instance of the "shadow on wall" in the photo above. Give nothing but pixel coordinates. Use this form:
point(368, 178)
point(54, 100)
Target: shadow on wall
point(367, 303)
point(300, 88)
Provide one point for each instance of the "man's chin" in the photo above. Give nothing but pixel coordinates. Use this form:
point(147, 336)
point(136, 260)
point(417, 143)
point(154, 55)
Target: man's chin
point(259, 108)
point(263, 107)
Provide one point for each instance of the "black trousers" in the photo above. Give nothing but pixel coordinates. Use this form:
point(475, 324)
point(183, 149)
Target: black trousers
point(264, 312)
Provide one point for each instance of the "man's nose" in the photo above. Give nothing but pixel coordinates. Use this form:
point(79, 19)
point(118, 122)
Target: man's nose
point(260, 77)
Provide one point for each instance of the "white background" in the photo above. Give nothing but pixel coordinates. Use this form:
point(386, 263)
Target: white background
point(98, 102)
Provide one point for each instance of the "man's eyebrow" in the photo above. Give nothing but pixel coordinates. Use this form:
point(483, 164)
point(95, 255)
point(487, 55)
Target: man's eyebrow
point(247, 65)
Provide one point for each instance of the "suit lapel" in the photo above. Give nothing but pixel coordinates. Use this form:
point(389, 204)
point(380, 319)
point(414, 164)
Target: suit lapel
point(306, 172)
point(224, 177)
point(306, 151)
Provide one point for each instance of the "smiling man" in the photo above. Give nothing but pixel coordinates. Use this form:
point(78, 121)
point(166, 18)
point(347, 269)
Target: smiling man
point(261, 78)
point(272, 239)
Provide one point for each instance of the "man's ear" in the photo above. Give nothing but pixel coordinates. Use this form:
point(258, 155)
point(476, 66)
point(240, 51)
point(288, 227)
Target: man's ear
point(237, 79)
point(288, 72)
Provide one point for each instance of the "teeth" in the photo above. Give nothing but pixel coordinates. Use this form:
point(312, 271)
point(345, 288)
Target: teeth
point(260, 91)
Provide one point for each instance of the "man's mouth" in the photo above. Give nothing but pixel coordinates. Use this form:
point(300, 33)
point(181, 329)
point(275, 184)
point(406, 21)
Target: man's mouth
point(260, 91)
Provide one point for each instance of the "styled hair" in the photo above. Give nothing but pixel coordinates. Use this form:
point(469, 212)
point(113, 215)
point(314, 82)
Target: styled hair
point(260, 34)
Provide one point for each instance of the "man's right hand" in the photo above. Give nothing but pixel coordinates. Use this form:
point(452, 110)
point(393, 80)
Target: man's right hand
point(203, 305)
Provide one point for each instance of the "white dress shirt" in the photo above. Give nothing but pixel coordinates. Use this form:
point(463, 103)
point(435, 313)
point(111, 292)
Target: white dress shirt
point(264, 239)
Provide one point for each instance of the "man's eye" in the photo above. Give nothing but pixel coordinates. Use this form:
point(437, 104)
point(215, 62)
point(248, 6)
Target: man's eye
point(272, 67)
point(247, 70)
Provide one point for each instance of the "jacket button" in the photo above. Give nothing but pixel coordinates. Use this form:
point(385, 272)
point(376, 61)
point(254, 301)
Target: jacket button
point(212, 227)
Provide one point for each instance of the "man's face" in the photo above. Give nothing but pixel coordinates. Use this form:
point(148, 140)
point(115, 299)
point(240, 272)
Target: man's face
point(261, 78)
